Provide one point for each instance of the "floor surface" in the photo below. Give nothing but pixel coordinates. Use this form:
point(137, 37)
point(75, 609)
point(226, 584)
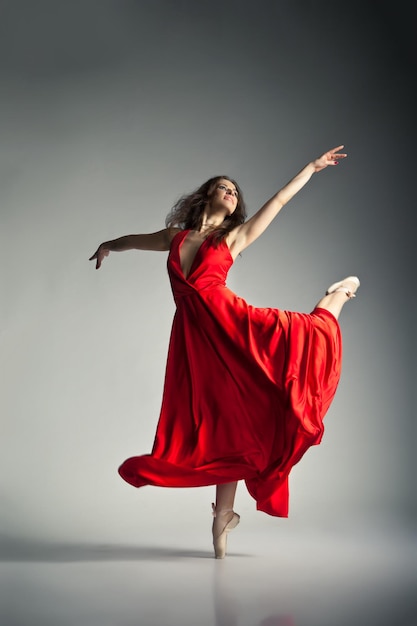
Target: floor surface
point(320, 579)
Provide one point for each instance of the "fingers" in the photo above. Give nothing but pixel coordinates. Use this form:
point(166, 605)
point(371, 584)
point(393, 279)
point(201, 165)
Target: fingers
point(99, 255)
point(96, 256)
point(335, 154)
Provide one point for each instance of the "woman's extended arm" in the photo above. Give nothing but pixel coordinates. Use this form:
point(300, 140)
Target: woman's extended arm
point(242, 236)
point(159, 241)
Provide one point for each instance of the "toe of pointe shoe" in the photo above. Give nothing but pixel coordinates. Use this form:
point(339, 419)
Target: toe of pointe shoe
point(341, 284)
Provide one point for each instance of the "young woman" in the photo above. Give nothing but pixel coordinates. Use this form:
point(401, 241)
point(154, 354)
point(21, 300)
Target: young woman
point(246, 388)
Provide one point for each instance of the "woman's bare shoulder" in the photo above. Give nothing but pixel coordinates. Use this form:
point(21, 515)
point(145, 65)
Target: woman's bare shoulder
point(170, 233)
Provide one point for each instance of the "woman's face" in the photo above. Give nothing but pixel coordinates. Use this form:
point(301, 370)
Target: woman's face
point(225, 196)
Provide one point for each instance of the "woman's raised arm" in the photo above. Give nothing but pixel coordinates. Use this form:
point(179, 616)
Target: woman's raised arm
point(242, 236)
point(158, 241)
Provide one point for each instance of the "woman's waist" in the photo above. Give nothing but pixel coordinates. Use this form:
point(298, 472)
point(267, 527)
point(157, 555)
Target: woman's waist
point(199, 290)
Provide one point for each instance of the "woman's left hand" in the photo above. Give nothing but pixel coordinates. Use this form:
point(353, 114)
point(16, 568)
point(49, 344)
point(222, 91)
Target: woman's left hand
point(332, 157)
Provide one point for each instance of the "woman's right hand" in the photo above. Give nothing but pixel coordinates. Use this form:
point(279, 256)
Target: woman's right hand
point(101, 252)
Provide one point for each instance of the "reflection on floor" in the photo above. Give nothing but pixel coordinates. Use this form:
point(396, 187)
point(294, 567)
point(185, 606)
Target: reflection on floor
point(300, 580)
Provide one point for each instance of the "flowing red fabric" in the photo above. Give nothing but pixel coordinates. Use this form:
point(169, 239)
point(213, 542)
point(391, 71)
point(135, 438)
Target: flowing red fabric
point(246, 388)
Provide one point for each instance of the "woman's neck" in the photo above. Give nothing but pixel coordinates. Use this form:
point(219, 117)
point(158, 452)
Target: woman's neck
point(210, 222)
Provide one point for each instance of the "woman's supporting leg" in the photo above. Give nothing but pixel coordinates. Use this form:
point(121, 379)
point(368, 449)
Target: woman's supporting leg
point(225, 497)
point(224, 517)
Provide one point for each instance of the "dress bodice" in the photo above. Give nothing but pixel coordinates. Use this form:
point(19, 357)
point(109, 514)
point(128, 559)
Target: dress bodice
point(208, 270)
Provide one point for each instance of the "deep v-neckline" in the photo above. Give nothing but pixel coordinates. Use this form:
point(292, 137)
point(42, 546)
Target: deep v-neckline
point(187, 232)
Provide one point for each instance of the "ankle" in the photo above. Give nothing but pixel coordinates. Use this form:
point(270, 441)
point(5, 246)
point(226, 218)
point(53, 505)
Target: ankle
point(218, 511)
point(348, 285)
point(348, 292)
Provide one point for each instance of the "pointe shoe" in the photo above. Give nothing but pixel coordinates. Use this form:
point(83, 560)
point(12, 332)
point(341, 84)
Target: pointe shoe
point(220, 539)
point(341, 286)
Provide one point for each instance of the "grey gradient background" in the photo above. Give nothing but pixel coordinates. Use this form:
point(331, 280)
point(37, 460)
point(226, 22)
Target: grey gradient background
point(110, 110)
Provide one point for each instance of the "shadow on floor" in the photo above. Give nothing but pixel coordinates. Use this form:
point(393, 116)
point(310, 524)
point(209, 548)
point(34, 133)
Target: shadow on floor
point(25, 550)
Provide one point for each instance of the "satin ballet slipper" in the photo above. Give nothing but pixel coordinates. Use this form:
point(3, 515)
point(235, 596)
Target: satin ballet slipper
point(341, 286)
point(220, 539)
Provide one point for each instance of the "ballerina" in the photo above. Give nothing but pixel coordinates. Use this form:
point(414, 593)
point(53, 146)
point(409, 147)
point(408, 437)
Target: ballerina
point(246, 388)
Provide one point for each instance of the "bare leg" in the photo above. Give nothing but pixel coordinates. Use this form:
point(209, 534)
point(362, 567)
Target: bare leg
point(334, 302)
point(225, 497)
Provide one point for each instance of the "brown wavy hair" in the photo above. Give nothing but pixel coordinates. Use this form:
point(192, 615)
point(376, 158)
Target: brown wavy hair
point(187, 212)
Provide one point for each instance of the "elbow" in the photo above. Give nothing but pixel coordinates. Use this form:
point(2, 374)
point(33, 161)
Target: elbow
point(281, 200)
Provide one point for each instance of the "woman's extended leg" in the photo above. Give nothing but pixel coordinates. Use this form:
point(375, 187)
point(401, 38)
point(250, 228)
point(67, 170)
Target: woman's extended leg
point(338, 294)
point(224, 517)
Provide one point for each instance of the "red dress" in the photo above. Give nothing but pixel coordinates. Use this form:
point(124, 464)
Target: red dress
point(246, 388)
